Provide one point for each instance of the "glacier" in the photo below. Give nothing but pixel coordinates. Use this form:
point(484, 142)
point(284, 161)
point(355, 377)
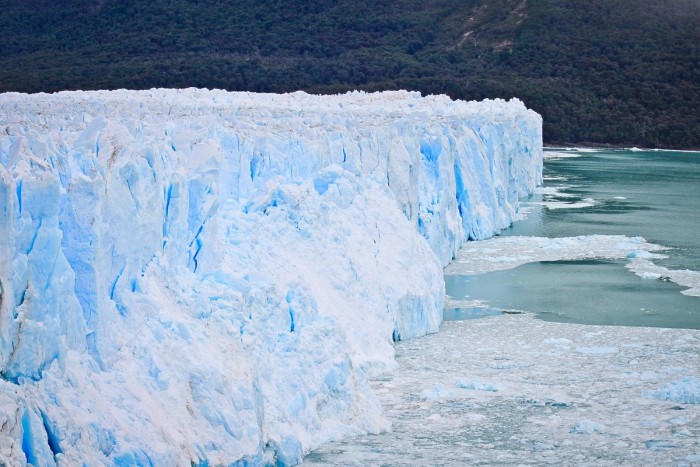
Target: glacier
point(199, 277)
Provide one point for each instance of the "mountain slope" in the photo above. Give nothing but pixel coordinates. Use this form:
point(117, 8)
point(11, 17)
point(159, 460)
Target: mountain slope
point(626, 72)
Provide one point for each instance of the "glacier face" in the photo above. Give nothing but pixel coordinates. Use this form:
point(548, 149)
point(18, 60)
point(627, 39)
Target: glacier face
point(193, 276)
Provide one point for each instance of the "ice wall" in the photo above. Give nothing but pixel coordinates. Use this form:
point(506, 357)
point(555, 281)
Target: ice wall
point(192, 276)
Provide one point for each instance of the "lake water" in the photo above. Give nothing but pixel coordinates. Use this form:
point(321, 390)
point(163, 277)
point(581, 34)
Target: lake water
point(649, 194)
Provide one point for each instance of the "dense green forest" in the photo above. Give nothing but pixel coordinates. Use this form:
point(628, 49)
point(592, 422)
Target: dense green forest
point(601, 71)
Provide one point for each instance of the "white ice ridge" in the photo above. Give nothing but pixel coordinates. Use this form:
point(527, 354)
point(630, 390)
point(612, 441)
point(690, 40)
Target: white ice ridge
point(203, 277)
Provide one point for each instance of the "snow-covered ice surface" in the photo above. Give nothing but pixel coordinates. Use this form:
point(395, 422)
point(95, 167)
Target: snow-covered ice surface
point(514, 390)
point(207, 277)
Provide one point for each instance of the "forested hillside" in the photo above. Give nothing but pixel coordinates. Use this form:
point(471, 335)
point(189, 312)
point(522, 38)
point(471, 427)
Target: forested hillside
point(622, 72)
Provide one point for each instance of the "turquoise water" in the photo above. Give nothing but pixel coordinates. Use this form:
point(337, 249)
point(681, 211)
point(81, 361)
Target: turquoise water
point(650, 194)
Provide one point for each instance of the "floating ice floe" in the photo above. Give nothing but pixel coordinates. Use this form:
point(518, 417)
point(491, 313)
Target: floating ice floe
point(553, 155)
point(646, 269)
point(585, 426)
point(477, 385)
point(596, 350)
point(584, 203)
point(555, 197)
point(502, 253)
point(683, 391)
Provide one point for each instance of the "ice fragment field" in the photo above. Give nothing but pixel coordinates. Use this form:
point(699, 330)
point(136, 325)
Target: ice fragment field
point(513, 390)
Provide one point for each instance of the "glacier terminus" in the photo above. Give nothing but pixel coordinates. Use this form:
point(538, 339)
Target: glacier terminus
point(195, 277)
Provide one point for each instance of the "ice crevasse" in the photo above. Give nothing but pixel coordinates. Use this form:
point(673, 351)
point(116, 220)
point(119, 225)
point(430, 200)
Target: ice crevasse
point(194, 277)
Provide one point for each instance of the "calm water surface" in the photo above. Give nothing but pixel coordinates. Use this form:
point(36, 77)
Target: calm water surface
point(650, 194)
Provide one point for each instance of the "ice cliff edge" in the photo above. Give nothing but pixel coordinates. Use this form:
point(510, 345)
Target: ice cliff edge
point(192, 276)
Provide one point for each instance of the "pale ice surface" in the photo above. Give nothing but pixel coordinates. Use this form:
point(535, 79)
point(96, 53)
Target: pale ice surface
point(646, 269)
point(515, 390)
point(203, 277)
point(501, 253)
point(555, 197)
point(560, 155)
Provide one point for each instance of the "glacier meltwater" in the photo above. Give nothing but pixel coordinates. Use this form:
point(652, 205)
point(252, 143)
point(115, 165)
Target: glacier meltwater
point(203, 277)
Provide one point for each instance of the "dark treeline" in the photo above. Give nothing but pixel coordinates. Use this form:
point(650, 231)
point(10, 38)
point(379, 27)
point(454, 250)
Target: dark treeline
point(624, 72)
